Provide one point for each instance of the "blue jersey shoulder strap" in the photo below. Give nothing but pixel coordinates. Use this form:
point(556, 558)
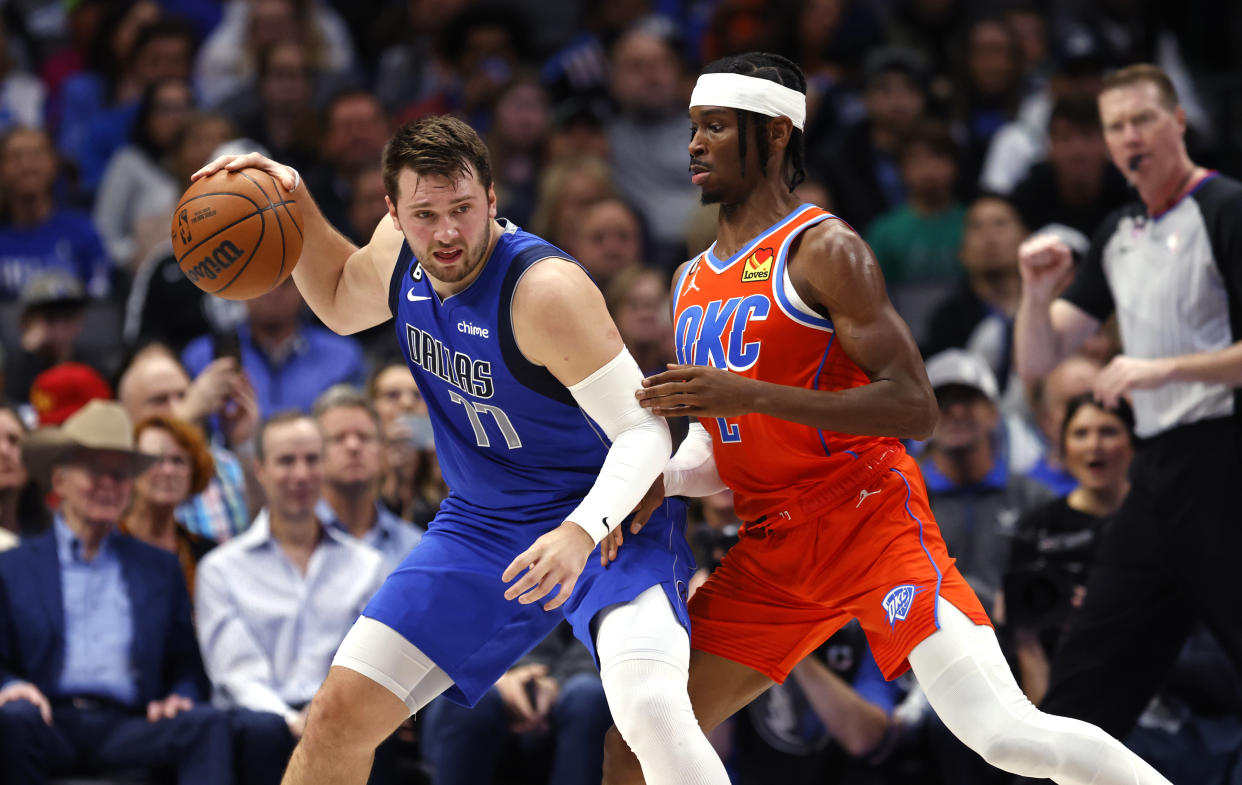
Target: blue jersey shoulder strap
point(534, 377)
point(397, 283)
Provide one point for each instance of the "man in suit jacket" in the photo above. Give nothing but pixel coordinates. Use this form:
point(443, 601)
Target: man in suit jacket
point(99, 666)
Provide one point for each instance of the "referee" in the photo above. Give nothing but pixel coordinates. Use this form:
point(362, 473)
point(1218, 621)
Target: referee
point(1170, 267)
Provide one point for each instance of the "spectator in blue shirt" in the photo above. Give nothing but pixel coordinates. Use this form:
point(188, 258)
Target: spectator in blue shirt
point(36, 234)
point(99, 667)
point(289, 363)
point(352, 466)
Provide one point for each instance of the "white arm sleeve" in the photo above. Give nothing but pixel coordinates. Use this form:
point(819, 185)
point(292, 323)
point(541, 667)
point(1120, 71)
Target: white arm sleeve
point(692, 471)
point(640, 445)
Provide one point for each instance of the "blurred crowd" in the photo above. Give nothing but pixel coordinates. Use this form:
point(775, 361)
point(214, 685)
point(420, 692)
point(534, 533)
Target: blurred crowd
point(296, 467)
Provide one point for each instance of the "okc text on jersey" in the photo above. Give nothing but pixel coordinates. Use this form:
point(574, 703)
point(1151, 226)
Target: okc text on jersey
point(702, 333)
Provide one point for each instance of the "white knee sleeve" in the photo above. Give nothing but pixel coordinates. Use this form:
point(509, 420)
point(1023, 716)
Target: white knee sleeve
point(644, 656)
point(384, 656)
point(969, 685)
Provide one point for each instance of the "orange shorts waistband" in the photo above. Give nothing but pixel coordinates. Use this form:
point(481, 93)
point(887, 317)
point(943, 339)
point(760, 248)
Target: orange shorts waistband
point(827, 495)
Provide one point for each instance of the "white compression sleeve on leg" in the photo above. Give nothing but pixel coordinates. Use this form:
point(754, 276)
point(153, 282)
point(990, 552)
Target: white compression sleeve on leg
point(644, 656)
point(692, 471)
point(969, 685)
point(384, 656)
point(640, 445)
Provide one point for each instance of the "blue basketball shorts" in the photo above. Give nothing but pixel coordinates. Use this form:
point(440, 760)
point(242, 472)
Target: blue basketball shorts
point(447, 599)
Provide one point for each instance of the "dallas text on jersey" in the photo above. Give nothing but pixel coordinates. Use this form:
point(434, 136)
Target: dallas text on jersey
point(459, 369)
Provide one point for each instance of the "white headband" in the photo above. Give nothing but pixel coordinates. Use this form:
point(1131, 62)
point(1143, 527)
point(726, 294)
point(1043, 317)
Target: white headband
point(751, 93)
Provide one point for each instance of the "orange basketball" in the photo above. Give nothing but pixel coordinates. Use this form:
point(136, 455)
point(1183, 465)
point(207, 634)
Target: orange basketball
point(237, 234)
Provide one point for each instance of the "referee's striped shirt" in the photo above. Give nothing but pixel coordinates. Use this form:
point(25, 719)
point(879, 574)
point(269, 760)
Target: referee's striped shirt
point(1174, 280)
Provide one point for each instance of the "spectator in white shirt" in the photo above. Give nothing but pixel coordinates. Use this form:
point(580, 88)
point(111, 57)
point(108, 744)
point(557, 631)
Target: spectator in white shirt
point(274, 603)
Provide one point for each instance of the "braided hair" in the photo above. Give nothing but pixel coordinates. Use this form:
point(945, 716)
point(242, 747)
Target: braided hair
point(784, 72)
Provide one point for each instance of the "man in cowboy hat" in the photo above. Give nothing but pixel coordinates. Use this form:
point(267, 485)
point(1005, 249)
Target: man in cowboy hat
point(99, 667)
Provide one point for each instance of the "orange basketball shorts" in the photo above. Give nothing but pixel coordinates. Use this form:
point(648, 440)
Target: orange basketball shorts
point(873, 553)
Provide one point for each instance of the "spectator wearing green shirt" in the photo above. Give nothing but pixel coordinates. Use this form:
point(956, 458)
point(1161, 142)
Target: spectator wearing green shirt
point(917, 243)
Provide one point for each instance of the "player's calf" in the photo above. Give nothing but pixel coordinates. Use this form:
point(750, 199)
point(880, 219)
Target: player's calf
point(349, 717)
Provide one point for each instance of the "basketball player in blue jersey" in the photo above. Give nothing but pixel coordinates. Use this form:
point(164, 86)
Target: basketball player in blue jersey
point(544, 448)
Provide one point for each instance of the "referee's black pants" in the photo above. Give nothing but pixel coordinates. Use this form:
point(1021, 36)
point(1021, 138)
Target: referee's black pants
point(1168, 561)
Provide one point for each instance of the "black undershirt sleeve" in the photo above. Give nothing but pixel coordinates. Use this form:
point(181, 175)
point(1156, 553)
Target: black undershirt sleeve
point(1089, 289)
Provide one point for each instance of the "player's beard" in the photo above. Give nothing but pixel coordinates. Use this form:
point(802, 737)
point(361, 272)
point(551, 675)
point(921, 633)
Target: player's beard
point(710, 197)
point(473, 255)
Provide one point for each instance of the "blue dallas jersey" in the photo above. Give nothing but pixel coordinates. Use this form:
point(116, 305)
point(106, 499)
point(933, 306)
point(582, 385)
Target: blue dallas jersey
point(510, 438)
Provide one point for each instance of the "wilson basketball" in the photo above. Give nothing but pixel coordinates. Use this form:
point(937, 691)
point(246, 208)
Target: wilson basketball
point(237, 234)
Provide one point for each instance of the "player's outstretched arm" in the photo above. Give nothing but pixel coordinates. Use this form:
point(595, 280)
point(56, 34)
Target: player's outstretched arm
point(834, 270)
point(346, 286)
point(560, 322)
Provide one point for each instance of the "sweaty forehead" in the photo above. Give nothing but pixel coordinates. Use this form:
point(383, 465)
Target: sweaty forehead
point(428, 189)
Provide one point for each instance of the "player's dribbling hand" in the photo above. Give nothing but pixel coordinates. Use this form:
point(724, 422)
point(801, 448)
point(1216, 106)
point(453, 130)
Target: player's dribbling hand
point(555, 558)
point(697, 390)
point(287, 175)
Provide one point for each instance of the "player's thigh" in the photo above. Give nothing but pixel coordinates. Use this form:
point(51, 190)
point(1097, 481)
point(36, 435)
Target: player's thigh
point(388, 659)
point(446, 600)
point(351, 709)
point(719, 687)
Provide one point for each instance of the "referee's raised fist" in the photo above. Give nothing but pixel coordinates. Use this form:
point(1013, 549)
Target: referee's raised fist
point(1044, 261)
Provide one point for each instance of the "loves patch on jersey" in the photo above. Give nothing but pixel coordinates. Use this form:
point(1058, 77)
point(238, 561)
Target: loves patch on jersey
point(758, 266)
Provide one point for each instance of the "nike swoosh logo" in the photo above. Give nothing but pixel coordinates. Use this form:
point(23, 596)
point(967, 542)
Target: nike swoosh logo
point(607, 528)
point(415, 298)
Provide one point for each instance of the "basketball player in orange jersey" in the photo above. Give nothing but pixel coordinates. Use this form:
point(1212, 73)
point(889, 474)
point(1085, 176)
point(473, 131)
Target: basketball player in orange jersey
point(803, 378)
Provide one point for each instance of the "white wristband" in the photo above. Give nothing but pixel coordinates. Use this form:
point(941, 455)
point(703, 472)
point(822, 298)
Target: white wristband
point(692, 471)
point(640, 445)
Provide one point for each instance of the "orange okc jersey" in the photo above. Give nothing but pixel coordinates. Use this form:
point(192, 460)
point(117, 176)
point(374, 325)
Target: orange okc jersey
point(742, 314)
